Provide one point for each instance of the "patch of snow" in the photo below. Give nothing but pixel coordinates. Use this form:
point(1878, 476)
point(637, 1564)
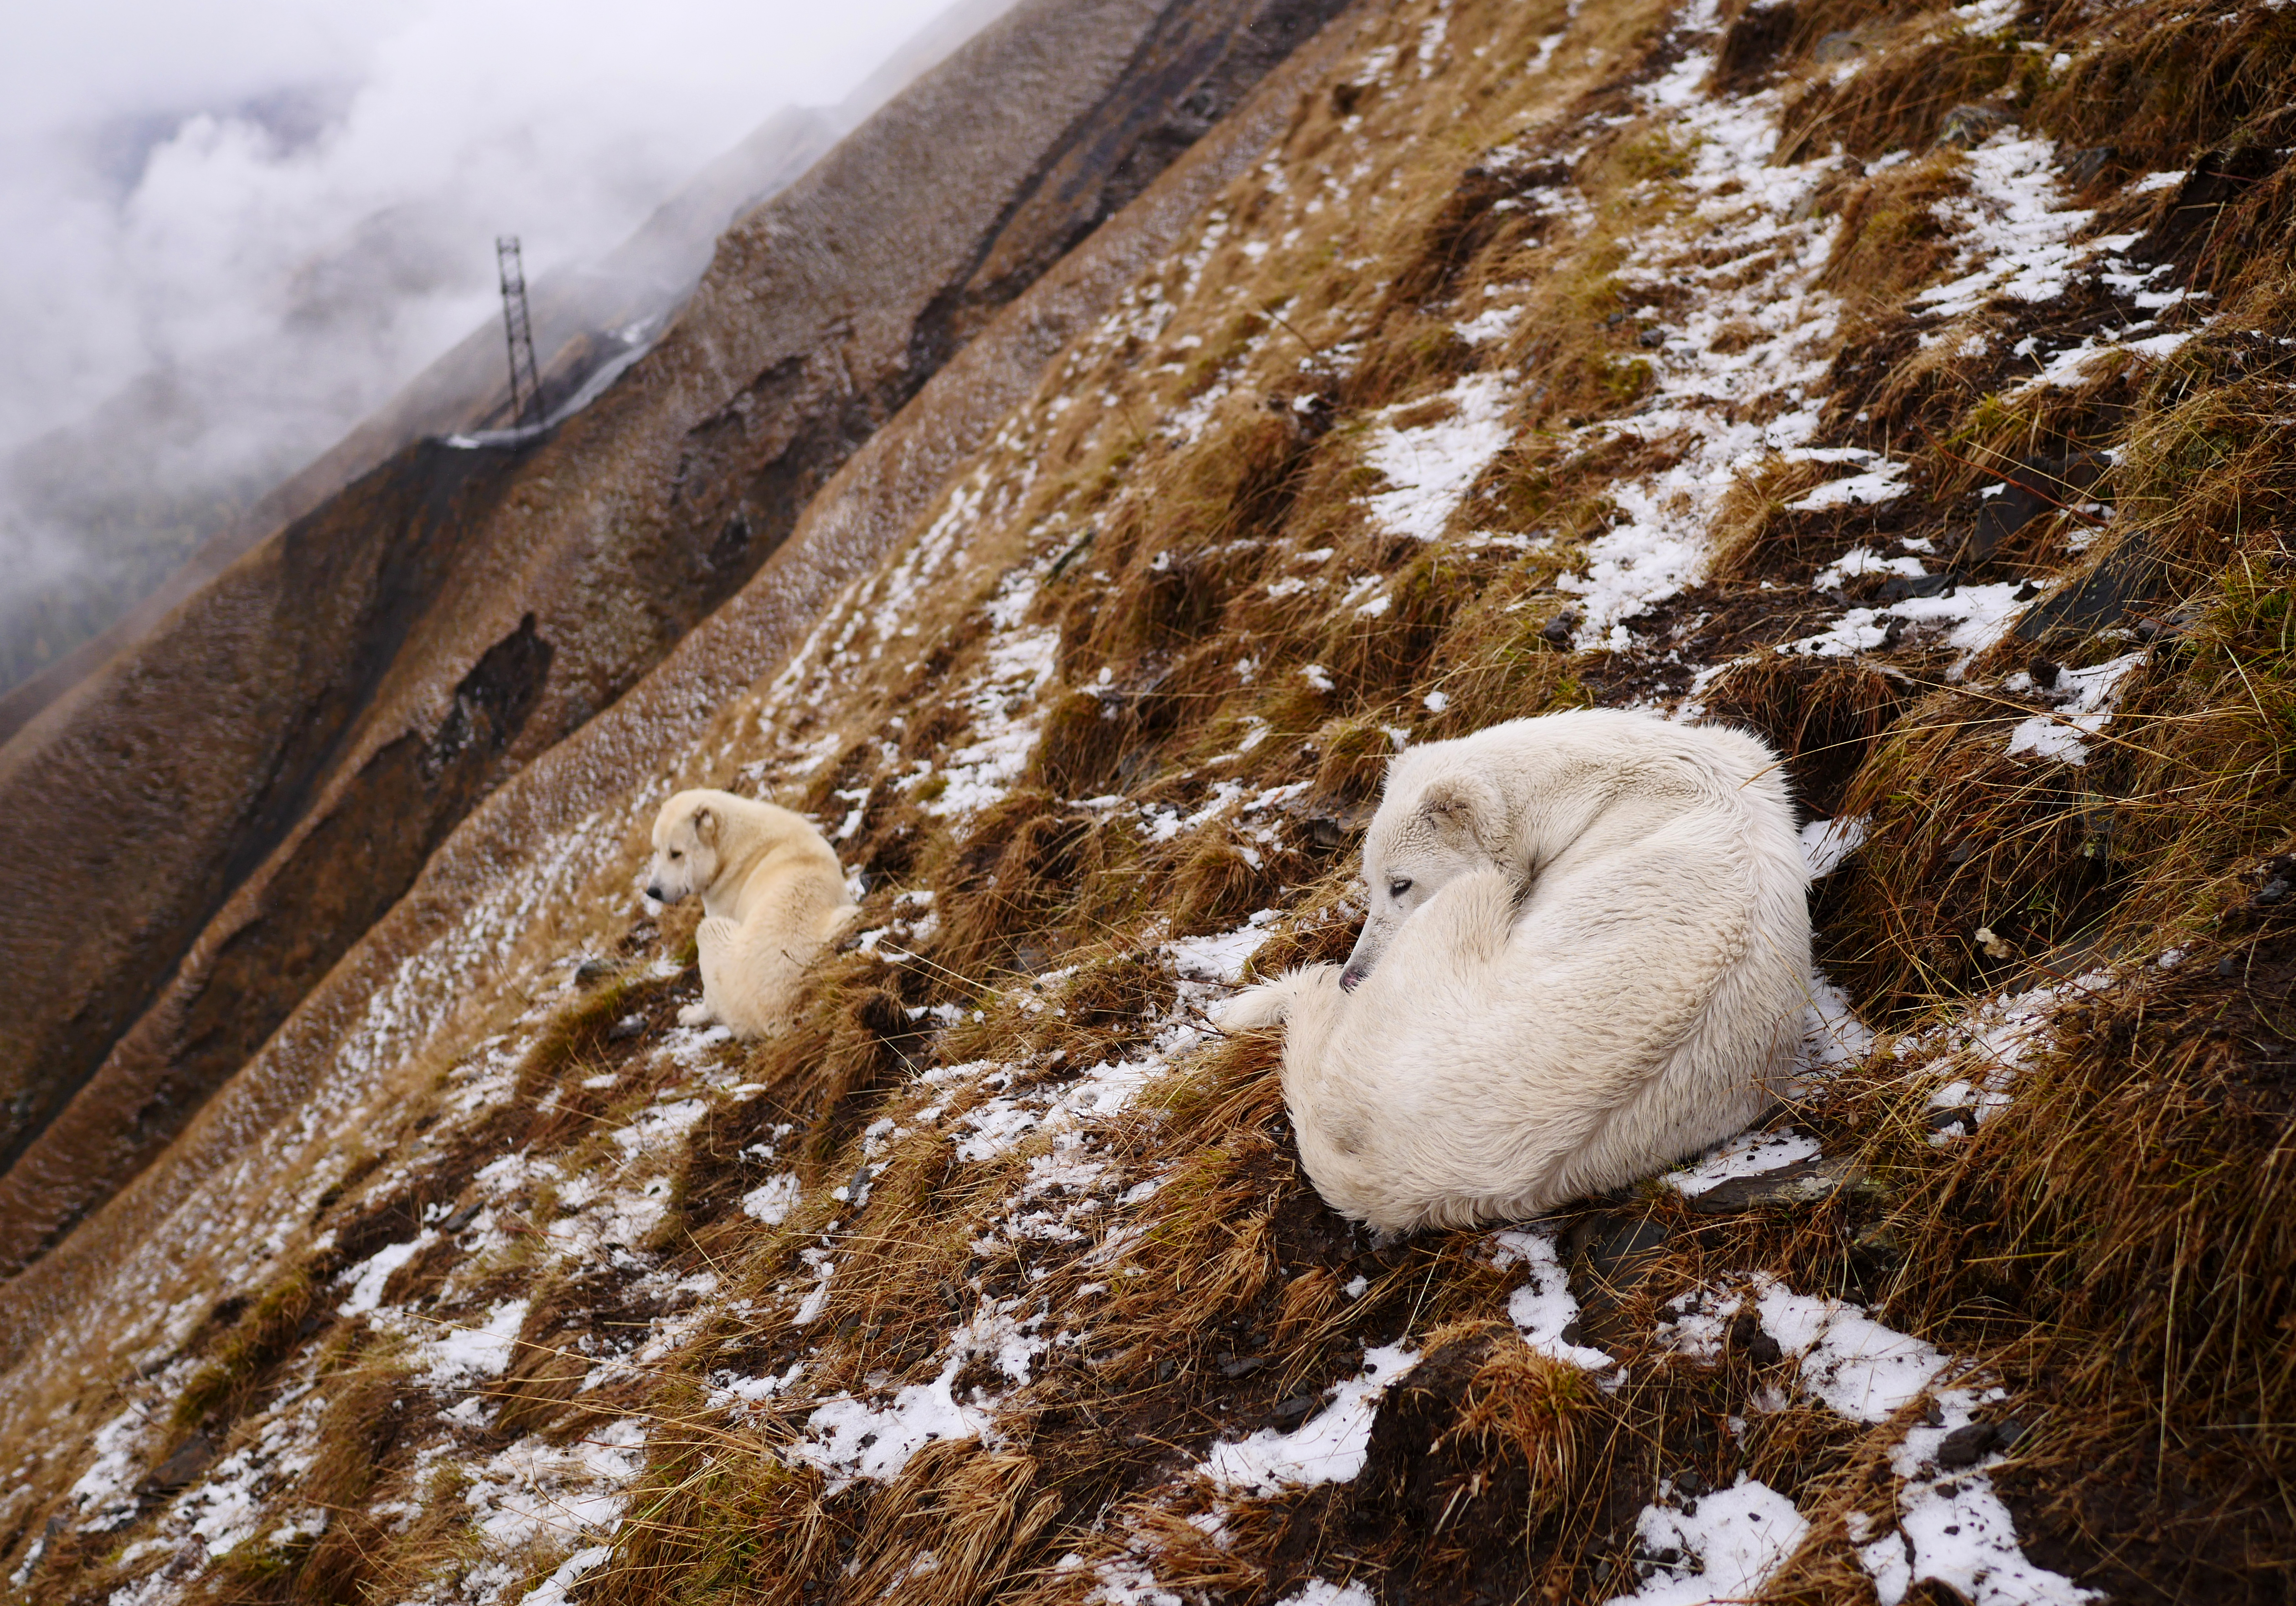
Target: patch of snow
point(771, 1201)
point(1825, 843)
point(1831, 1035)
point(458, 1353)
point(1868, 489)
point(2087, 699)
point(1750, 1154)
point(1222, 958)
point(1319, 1592)
point(551, 1590)
point(1432, 468)
point(1544, 1307)
point(2017, 240)
point(1728, 1542)
point(368, 1276)
point(1329, 1448)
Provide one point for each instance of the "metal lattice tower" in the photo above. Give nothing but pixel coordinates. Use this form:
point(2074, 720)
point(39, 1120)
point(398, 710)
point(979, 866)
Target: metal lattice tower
point(525, 381)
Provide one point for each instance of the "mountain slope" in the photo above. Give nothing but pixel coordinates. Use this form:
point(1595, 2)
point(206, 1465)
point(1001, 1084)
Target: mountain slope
point(1819, 368)
point(356, 682)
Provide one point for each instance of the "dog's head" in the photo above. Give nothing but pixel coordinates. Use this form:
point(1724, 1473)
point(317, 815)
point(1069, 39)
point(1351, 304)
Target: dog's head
point(686, 859)
point(1435, 823)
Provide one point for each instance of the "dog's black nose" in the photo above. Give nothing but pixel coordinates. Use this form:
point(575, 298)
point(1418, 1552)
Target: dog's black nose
point(655, 893)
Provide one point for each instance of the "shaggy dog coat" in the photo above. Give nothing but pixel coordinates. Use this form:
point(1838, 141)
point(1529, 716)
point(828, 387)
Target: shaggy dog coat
point(1587, 956)
point(773, 895)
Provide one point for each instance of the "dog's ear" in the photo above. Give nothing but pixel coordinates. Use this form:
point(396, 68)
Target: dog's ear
point(1465, 810)
point(705, 824)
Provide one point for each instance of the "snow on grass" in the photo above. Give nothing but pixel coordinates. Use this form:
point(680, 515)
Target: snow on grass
point(459, 1353)
point(1005, 721)
point(1701, 387)
point(1851, 1364)
point(1862, 560)
point(1885, 483)
point(1750, 1154)
point(366, 1278)
point(1969, 618)
point(1950, 1525)
point(850, 1440)
point(1953, 1528)
point(771, 1201)
point(1432, 467)
point(1329, 1448)
point(1720, 1547)
point(1319, 1592)
point(2086, 700)
point(1221, 958)
point(2016, 239)
point(104, 1493)
point(552, 1590)
point(1977, 1055)
point(1832, 1034)
point(534, 1491)
point(1827, 843)
point(1544, 1309)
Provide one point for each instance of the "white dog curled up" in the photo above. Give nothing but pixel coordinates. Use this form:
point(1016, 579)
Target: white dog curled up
point(1587, 957)
point(772, 897)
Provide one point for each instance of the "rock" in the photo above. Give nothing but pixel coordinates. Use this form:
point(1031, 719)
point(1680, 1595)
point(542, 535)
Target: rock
point(625, 1029)
point(1965, 1446)
point(1805, 1182)
point(1556, 632)
point(1900, 588)
point(1624, 1256)
point(1840, 46)
point(1747, 1339)
point(1969, 124)
point(591, 971)
point(2086, 166)
point(184, 1463)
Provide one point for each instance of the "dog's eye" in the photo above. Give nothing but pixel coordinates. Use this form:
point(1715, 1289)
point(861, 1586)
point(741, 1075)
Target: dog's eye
point(675, 854)
point(1400, 885)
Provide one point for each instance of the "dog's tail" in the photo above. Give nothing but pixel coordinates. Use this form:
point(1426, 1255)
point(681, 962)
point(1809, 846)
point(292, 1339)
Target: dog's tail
point(1272, 1003)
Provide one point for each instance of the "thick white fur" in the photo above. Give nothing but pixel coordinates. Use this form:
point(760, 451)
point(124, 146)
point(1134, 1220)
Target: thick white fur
point(1596, 964)
point(773, 895)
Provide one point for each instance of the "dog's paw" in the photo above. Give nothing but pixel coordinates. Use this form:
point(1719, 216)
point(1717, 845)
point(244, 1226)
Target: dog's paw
point(696, 1014)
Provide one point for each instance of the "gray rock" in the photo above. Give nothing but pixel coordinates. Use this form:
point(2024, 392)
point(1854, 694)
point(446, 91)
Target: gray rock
point(1805, 1182)
point(1969, 124)
point(1965, 1446)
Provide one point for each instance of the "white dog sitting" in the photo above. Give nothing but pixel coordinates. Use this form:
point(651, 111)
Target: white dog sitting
point(773, 895)
point(1587, 956)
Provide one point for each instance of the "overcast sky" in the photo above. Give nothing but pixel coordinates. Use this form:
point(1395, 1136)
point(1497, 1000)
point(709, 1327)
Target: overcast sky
point(183, 181)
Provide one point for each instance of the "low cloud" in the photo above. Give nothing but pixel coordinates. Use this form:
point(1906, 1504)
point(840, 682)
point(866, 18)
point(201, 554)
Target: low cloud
point(235, 231)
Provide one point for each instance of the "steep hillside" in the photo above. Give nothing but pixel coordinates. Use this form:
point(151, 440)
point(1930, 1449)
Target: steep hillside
point(1910, 385)
point(346, 690)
